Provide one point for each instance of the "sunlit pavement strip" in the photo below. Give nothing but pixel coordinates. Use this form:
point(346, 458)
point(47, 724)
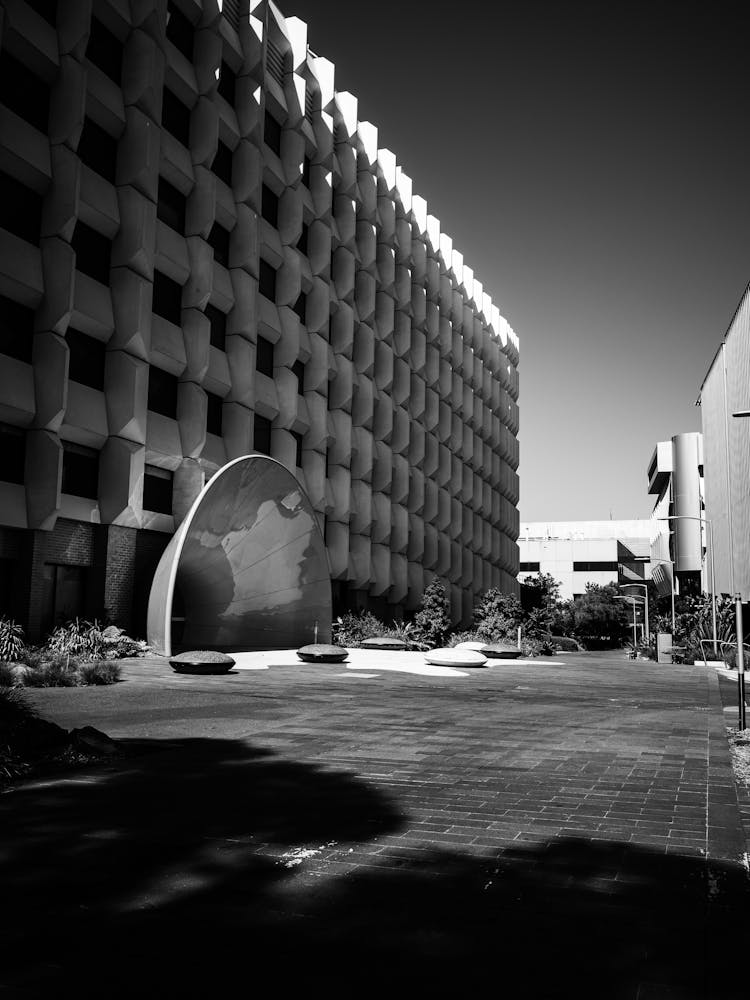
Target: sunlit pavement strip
point(384, 661)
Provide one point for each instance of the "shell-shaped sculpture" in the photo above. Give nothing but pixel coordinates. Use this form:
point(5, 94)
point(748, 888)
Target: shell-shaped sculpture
point(246, 569)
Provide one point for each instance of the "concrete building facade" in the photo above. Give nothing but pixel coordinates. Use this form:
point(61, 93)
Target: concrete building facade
point(577, 553)
point(726, 446)
point(675, 479)
point(204, 253)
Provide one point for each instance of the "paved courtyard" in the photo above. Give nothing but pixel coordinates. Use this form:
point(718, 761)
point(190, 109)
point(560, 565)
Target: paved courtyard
point(568, 827)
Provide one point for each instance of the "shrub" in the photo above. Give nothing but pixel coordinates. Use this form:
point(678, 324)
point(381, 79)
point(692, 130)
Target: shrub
point(433, 620)
point(7, 675)
point(497, 616)
point(100, 672)
point(57, 671)
point(408, 633)
point(565, 643)
point(89, 641)
point(351, 629)
point(11, 640)
point(470, 636)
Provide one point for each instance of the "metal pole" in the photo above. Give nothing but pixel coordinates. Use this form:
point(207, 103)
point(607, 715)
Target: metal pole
point(713, 585)
point(635, 626)
point(740, 660)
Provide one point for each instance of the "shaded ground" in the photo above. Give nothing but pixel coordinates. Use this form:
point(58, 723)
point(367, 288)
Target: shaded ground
point(564, 830)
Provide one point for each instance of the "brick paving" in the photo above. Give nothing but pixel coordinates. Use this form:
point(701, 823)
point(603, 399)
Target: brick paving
point(551, 829)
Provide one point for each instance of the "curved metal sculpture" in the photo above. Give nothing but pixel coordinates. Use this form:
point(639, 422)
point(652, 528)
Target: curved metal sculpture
point(246, 569)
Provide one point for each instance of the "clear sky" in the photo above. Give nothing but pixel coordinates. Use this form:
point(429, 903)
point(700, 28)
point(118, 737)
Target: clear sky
point(592, 163)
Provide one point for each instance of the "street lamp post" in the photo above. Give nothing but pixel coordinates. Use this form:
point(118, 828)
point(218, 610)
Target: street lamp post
point(738, 620)
point(644, 586)
point(626, 597)
point(703, 520)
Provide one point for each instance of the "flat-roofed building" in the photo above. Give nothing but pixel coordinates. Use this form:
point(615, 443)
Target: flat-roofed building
point(205, 253)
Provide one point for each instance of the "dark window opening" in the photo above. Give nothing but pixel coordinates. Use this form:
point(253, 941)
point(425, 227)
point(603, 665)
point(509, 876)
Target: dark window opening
point(222, 165)
point(20, 209)
point(269, 206)
point(227, 83)
point(64, 591)
point(92, 252)
point(309, 101)
point(298, 448)
point(104, 50)
point(80, 471)
point(175, 117)
point(300, 306)
point(86, 361)
point(157, 490)
point(264, 357)
point(306, 164)
point(325, 459)
point(528, 567)
point(218, 238)
point(302, 241)
point(591, 566)
point(167, 298)
point(218, 321)
point(272, 134)
point(12, 453)
point(170, 206)
point(98, 150)
point(180, 31)
point(267, 280)
point(262, 434)
point(214, 413)
point(230, 11)
point(299, 371)
point(162, 392)
point(46, 9)
point(23, 92)
point(16, 330)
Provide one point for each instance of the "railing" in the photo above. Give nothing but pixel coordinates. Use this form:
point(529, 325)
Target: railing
point(723, 643)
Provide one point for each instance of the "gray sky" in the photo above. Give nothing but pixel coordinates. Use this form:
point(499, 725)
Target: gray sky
point(592, 163)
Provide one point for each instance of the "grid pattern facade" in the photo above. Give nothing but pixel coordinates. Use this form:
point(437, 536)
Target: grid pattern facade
point(209, 255)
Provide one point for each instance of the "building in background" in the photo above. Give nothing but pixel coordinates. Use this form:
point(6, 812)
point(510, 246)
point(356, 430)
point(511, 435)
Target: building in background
point(204, 253)
point(726, 445)
point(577, 553)
point(675, 479)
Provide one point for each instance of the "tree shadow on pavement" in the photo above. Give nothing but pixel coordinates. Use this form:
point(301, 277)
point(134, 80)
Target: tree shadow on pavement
point(167, 877)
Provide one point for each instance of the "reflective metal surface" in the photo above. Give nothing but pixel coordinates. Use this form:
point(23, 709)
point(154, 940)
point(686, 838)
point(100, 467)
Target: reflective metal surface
point(247, 568)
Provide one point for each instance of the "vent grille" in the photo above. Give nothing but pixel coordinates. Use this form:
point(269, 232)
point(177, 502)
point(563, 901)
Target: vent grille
point(231, 11)
point(275, 62)
point(309, 102)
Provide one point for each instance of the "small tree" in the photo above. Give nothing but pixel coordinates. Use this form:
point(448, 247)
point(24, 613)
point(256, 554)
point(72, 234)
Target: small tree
point(598, 617)
point(433, 620)
point(498, 615)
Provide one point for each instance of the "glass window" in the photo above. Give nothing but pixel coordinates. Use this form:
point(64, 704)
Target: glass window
point(300, 306)
point(267, 280)
point(23, 92)
point(218, 321)
point(269, 206)
point(222, 165)
point(214, 413)
point(302, 241)
point(98, 150)
point(20, 208)
point(299, 370)
point(86, 361)
point(272, 133)
point(262, 435)
point(167, 298)
point(264, 357)
point(179, 30)
point(227, 83)
point(12, 453)
point(80, 471)
point(157, 490)
point(170, 206)
point(92, 252)
point(298, 452)
point(16, 330)
point(218, 238)
point(175, 117)
point(104, 50)
point(306, 164)
point(162, 392)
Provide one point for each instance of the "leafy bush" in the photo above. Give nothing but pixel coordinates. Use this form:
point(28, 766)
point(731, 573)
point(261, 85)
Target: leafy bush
point(11, 640)
point(470, 636)
point(565, 643)
point(408, 633)
point(89, 641)
point(100, 672)
point(433, 620)
point(351, 629)
point(497, 616)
